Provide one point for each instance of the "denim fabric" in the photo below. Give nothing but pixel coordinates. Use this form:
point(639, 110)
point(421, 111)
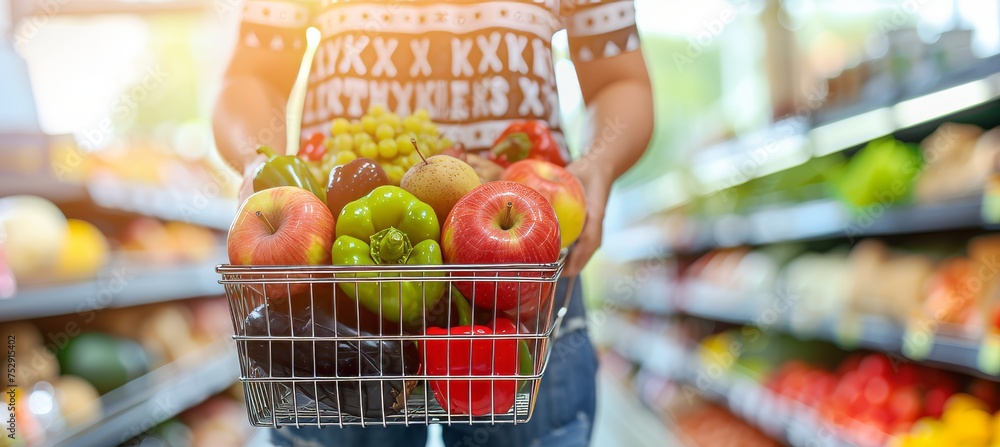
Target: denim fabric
point(563, 416)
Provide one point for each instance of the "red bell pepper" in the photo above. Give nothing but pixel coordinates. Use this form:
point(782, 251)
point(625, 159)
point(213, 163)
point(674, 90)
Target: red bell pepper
point(313, 149)
point(526, 139)
point(487, 357)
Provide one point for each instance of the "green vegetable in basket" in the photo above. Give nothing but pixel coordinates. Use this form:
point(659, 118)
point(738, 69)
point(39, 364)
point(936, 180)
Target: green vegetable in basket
point(390, 226)
point(285, 170)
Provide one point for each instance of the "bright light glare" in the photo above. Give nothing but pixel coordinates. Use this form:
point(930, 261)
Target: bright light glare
point(849, 132)
point(681, 17)
point(40, 402)
point(925, 108)
point(984, 16)
point(77, 81)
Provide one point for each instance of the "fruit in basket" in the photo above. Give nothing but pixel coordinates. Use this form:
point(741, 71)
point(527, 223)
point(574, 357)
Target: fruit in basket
point(562, 190)
point(368, 358)
point(84, 253)
point(488, 356)
point(440, 181)
point(281, 226)
point(456, 150)
point(313, 149)
point(34, 231)
point(390, 226)
point(522, 140)
point(353, 181)
point(384, 137)
point(285, 170)
point(488, 170)
point(501, 222)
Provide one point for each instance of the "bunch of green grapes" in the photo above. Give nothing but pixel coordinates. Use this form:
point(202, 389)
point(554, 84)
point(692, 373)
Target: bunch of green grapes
point(384, 137)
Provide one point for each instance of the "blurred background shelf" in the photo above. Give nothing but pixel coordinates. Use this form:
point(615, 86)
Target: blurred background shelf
point(973, 97)
point(733, 387)
point(804, 222)
point(129, 284)
point(945, 350)
point(142, 404)
point(194, 207)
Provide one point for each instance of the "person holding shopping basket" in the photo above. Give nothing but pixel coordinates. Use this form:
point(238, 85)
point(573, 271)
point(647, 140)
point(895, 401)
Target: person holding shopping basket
point(475, 66)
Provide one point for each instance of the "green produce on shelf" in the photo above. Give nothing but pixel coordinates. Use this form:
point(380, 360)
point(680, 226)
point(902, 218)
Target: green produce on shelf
point(807, 181)
point(106, 362)
point(883, 172)
point(390, 226)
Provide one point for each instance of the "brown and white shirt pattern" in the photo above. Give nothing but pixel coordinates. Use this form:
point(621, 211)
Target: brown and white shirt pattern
point(474, 65)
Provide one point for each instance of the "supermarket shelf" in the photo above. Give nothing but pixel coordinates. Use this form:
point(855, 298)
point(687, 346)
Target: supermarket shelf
point(124, 286)
point(785, 420)
point(164, 393)
point(830, 219)
point(770, 312)
point(205, 208)
point(795, 140)
point(816, 220)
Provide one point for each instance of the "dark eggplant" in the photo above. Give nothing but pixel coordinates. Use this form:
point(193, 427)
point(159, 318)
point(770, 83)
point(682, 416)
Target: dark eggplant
point(332, 360)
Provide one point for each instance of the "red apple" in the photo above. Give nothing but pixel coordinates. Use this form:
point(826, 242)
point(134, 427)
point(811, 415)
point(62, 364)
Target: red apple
point(501, 223)
point(560, 188)
point(281, 226)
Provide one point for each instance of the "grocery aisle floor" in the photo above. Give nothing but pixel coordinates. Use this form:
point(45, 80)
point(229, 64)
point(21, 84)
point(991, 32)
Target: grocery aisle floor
point(621, 420)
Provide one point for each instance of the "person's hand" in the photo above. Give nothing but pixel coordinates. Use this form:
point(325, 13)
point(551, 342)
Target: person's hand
point(596, 188)
point(246, 190)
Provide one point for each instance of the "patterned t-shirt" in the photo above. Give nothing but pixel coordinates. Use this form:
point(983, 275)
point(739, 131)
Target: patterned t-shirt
point(474, 65)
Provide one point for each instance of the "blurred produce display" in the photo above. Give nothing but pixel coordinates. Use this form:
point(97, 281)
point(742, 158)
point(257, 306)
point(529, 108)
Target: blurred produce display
point(34, 231)
point(220, 421)
point(168, 242)
point(713, 426)
point(882, 172)
point(41, 246)
point(952, 292)
point(84, 252)
point(953, 162)
point(69, 362)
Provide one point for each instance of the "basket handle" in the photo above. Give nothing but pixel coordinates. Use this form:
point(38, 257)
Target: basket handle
point(565, 307)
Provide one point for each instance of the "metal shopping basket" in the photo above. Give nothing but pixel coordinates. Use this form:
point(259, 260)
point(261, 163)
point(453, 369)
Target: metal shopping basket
point(312, 355)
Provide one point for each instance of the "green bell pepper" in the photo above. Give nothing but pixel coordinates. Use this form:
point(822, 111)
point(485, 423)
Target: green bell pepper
point(390, 226)
point(285, 170)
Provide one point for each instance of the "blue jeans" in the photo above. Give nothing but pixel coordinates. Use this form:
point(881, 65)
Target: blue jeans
point(563, 416)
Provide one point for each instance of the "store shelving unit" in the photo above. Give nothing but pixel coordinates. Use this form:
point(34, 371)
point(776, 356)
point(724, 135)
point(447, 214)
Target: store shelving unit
point(205, 208)
point(658, 245)
point(808, 221)
point(944, 349)
point(953, 352)
point(795, 140)
point(788, 421)
point(129, 284)
point(140, 405)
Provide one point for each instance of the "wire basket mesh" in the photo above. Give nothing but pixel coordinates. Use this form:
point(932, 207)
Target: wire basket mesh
point(369, 345)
